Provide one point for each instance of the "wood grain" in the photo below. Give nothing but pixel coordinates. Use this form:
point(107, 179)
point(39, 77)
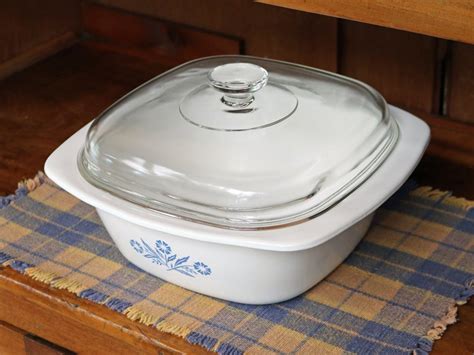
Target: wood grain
point(15, 341)
point(11, 340)
point(26, 24)
point(460, 103)
point(148, 38)
point(444, 19)
point(267, 31)
point(407, 68)
point(42, 106)
point(65, 92)
point(449, 160)
point(400, 65)
point(458, 339)
point(37, 53)
point(79, 325)
point(451, 140)
point(37, 346)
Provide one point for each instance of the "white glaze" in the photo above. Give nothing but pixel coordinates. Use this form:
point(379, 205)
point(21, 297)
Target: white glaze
point(256, 267)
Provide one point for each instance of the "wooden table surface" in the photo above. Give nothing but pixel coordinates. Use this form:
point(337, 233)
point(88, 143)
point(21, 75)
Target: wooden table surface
point(43, 105)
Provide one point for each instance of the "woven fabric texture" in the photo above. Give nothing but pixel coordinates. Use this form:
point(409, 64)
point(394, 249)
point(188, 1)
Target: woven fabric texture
point(396, 293)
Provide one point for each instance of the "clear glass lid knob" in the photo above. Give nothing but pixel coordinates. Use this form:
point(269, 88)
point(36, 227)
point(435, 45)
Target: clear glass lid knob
point(238, 82)
point(238, 96)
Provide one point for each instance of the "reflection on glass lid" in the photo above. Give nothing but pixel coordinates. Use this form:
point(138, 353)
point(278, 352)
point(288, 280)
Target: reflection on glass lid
point(239, 142)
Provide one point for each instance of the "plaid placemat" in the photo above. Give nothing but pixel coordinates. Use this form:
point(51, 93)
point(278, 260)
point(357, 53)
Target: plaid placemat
point(395, 293)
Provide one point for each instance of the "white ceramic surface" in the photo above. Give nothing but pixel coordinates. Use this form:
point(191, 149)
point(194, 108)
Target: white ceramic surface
point(252, 266)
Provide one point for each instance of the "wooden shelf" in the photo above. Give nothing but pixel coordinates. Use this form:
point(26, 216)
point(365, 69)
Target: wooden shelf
point(453, 20)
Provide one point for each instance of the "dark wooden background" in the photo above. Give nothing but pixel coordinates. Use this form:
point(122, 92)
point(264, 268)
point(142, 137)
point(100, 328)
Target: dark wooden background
point(89, 53)
point(433, 75)
point(410, 70)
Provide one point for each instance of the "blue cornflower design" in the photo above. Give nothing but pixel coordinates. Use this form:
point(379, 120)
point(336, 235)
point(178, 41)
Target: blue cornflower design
point(163, 247)
point(137, 246)
point(162, 254)
point(202, 268)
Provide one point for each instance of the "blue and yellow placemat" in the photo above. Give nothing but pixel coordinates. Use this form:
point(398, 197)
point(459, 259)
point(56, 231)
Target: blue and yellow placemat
point(395, 293)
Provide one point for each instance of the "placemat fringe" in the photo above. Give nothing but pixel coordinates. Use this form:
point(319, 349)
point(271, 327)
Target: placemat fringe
point(131, 312)
point(141, 316)
point(435, 194)
point(24, 187)
point(459, 202)
point(173, 329)
point(226, 349)
point(93, 295)
point(134, 313)
point(67, 284)
point(117, 304)
point(206, 341)
point(40, 275)
point(425, 343)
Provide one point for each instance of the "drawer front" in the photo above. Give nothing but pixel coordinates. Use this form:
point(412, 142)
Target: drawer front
point(16, 341)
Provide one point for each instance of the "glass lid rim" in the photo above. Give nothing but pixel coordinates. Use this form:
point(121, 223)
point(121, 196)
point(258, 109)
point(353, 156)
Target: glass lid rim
point(224, 223)
point(288, 221)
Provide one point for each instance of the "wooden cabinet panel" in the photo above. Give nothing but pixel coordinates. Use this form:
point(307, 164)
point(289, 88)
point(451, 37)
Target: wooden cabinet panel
point(445, 19)
point(151, 39)
point(15, 341)
point(399, 64)
point(32, 30)
point(460, 97)
point(291, 36)
point(38, 346)
point(11, 340)
point(266, 30)
point(78, 324)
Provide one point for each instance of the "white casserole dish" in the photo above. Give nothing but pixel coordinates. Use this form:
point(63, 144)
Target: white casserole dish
point(255, 264)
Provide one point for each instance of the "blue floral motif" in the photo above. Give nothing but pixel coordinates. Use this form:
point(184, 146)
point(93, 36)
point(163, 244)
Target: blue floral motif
point(135, 245)
point(202, 268)
point(163, 247)
point(162, 254)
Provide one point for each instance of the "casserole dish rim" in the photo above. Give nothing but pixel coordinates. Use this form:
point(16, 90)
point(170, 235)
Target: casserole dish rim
point(61, 167)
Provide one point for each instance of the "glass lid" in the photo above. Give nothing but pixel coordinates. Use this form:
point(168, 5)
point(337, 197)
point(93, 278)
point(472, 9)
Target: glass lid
point(239, 142)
